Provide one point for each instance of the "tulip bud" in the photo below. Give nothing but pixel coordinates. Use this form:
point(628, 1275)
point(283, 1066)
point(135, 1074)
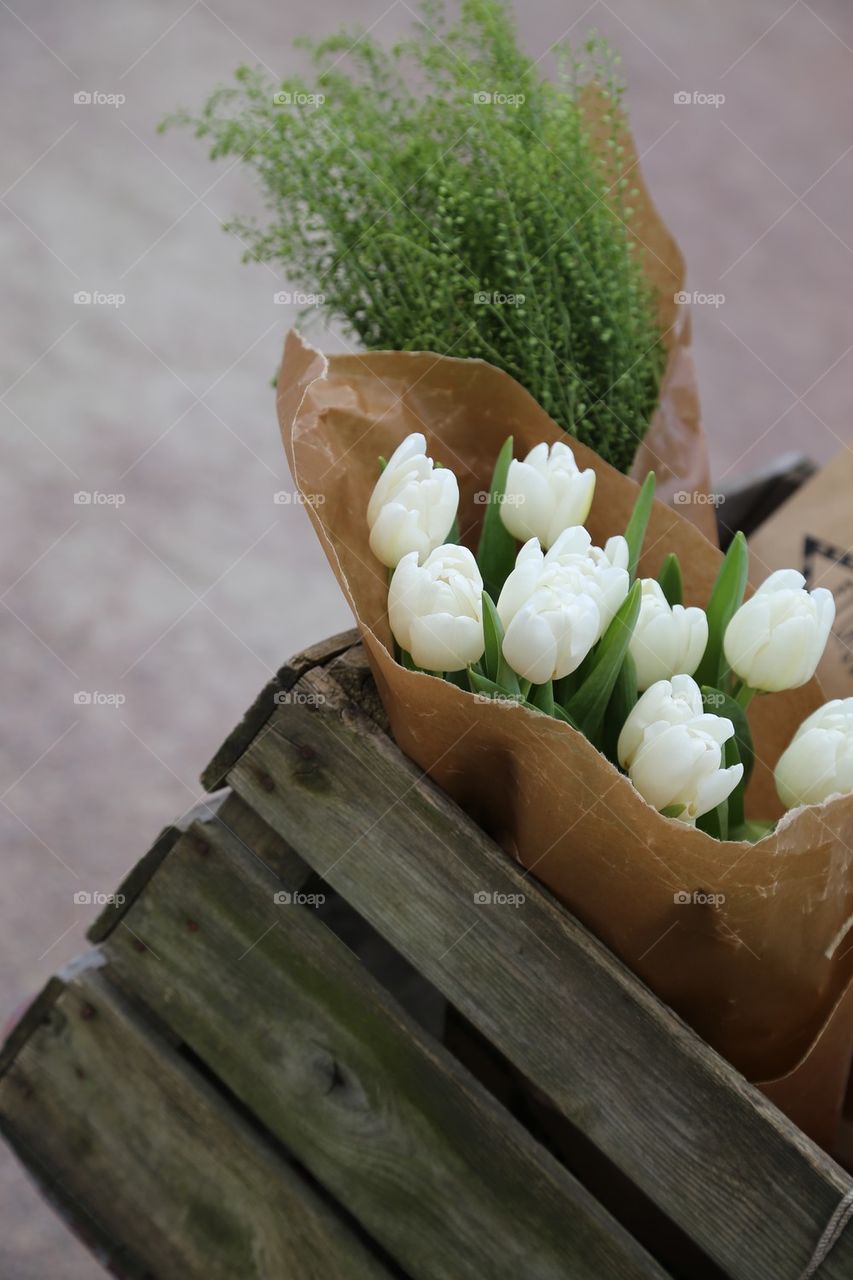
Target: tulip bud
point(554, 607)
point(552, 632)
point(673, 751)
point(589, 570)
point(413, 504)
point(545, 494)
point(436, 609)
point(776, 639)
point(819, 759)
point(668, 640)
point(607, 567)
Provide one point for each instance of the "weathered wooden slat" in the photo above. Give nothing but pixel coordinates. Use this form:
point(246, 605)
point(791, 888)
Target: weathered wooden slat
point(137, 1141)
point(262, 708)
point(139, 875)
point(705, 1146)
point(380, 1113)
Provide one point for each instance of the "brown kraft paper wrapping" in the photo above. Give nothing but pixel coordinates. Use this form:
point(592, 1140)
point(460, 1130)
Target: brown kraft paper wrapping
point(758, 975)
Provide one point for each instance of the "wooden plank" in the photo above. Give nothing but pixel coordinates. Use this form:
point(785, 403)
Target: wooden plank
point(384, 1117)
point(262, 708)
point(706, 1147)
point(139, 875)
point(134, 1140)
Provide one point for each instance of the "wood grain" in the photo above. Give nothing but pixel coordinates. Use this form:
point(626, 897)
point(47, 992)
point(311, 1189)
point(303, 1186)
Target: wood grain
point(286, 1016)
point(167, 1179)
point(705, 1146)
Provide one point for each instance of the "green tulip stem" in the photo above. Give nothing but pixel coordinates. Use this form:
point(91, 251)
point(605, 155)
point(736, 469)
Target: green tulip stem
point(744, 695)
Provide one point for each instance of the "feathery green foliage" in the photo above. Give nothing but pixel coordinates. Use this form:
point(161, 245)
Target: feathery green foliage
point(436, 185)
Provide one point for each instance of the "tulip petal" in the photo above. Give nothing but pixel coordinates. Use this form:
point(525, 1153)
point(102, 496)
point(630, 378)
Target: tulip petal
point(714, 789)
point(807, 770)
point(530, 647)
point(441, 642)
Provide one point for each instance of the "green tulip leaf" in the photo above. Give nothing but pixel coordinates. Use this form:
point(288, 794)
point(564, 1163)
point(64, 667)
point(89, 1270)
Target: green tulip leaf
point(494, 663)
point(559, 713)
point(407, 661)
point(493, 636)
point(715, 822)
point(731, 755)
point(720, 704)
point(556, 713)
point(726, 598)
point(589, 704)
point(482, 684)
point(622, 702)
point(496, 551)
point(751, 831)
point(670, 580)
point(672, 811)
point(459, 678)
point(543, 697)
point(635, 531)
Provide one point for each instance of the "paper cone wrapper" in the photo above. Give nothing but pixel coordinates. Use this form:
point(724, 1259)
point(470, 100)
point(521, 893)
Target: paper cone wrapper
point(751, 944)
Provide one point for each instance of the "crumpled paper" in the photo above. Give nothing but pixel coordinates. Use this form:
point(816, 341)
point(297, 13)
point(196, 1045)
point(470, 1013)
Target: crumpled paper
point(751, 944)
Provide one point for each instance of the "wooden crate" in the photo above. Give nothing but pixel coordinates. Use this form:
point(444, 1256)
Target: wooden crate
point(301, 1048)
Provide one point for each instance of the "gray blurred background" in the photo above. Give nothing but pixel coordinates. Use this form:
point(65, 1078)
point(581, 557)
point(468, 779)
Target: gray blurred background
point(181, 595)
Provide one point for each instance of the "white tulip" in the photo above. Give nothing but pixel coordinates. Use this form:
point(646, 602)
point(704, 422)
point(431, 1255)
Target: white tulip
point(575, 565)
point(607, 567)
point(667, 640)
point(819, 760)
point(554, 607)
point(776, 639)
point(552, 632)
point(676, 701)
point(546, 493)
point(436, 609)
point(673, 751)
point(413, 504)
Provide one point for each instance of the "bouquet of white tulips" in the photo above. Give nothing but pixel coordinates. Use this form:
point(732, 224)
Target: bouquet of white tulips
point(601, 696)
point(565, 628)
